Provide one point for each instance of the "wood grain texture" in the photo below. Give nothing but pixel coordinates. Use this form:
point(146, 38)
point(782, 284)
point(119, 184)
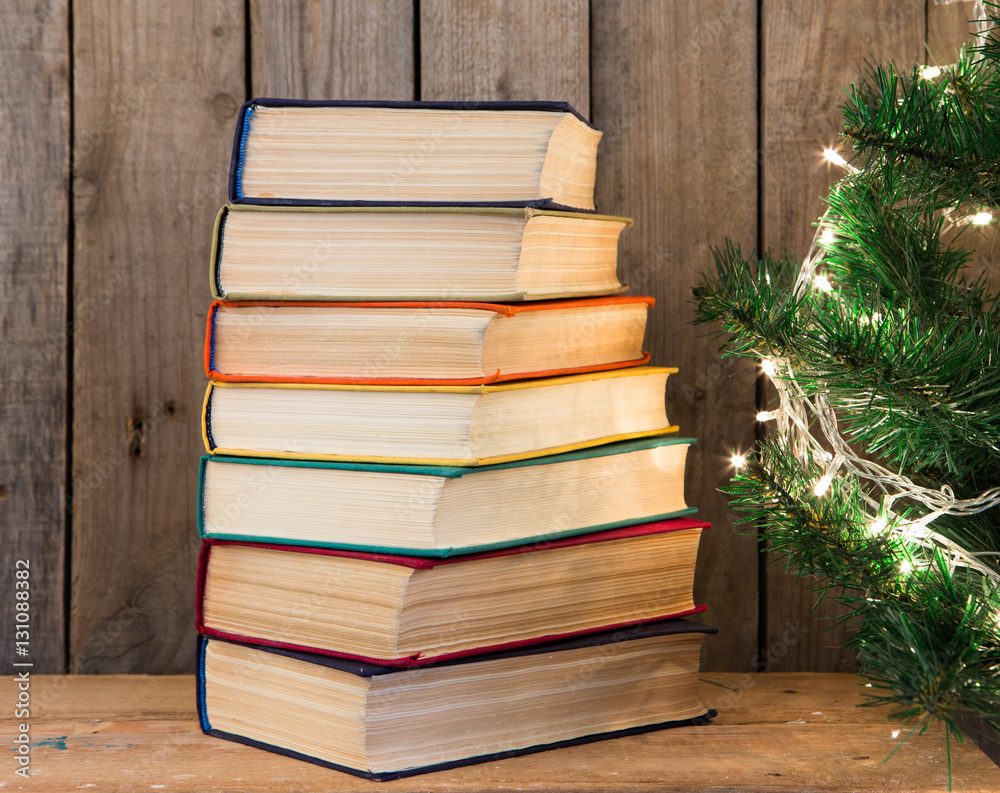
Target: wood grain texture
point(674, 89)
point(505, 49)
point(34, 213)
point(949, 27)
point(333, 49)
point(157, 87)
point(812, 51)
point(779, 732)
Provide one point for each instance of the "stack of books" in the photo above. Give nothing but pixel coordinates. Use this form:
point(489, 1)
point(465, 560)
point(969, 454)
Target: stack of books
point(443, 505)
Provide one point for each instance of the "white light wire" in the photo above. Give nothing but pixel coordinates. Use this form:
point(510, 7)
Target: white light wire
point(793, 423)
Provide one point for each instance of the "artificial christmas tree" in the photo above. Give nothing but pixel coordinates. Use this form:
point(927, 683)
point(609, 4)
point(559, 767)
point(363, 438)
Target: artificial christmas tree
point(880, 470)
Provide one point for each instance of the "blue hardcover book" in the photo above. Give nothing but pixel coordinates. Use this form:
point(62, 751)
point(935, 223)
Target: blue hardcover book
point(360, 153)
point(431, 510)
point(384, 722)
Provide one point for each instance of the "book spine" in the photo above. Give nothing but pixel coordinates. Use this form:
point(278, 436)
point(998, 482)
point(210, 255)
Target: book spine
point(199, 598)
point(206, 419)
point(210, 342)
point(236, 160)
point(200, 684)
point(243, 149)
point(200, 519)
point(213, 266)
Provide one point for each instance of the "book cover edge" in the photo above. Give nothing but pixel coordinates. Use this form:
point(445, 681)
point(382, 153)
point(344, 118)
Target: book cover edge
point(472, 462)
point(710, 713)
point(647, 529)
point(445, 553)
point(361, 666)
point(453, 472)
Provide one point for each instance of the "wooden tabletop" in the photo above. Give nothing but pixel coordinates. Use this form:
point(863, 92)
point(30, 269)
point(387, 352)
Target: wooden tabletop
point(779, 732)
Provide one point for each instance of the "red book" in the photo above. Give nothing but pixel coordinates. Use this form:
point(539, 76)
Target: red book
point(404, 610)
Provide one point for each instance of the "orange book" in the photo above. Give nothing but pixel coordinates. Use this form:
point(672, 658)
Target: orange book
point(406, 343)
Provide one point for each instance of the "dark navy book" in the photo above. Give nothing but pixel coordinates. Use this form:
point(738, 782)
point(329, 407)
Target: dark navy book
point(384, 722)
point(358, 153)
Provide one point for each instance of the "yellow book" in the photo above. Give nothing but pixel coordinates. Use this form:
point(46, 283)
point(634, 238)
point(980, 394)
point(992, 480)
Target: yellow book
point(435, 424)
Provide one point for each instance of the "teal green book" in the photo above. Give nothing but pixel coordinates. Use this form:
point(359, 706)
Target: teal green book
point(440, 511)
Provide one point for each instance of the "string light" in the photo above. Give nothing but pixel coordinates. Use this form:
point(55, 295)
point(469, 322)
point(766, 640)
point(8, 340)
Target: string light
point(767, 415)
point(827, 237)
point(823, 485)
point(906, 567)
point(930, 72)
point(812, 423)
point(982, 218)
point(823, 283)
point(895, 734)
point(833, 156)
point(878, 525)
point(809, 416)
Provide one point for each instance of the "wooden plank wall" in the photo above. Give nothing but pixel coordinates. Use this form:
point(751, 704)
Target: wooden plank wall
point(35, 335)
point(811, 51)
point(118, 120)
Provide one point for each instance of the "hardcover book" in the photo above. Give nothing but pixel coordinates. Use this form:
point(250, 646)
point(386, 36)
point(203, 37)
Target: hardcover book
point(403, 610)
point(382, 723)
point(413, 253)
point(435, 425)
point(405, 343)
point(362, 152)
point(442, 510)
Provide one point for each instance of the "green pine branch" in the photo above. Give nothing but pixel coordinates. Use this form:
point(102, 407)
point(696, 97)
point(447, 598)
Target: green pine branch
point(906, 349)
point(928, 637)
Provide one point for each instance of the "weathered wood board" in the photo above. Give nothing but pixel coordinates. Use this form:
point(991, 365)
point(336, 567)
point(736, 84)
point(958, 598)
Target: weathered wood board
point(811, 52)
point(35, 339)
point(675, 89)
point(156, 90)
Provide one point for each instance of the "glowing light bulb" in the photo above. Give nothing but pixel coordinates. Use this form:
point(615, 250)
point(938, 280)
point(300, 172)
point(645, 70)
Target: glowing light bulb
point(827, 237)
point(823, 484)
point(822, 283)
point(930, 72)
point(982, 218)
point(768, 366)
point(906, 567)
point(895, 734)
point(878, 525)
point(834, 156)
point(767, 415)
point(739, 461)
